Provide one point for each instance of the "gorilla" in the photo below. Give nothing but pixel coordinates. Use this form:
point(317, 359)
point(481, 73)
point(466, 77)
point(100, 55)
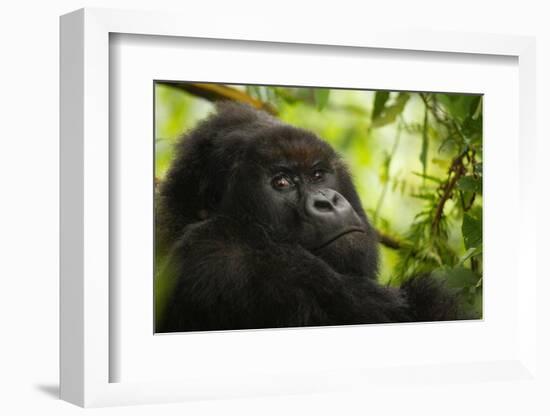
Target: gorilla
point(263, 228)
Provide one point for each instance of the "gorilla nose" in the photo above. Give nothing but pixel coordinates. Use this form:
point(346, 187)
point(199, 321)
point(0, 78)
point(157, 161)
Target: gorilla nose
point(327, 202)
point(330, 217)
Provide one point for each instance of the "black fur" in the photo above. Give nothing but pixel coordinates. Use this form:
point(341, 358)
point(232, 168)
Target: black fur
point(242, 252)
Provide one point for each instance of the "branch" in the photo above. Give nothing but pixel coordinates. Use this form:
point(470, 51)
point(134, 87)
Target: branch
point(220, 92)
point(388, 241)
point(457, 168)
point(456, 171)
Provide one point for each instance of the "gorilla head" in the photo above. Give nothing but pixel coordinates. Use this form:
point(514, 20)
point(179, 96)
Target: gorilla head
point(274, 179)
point(264, 228)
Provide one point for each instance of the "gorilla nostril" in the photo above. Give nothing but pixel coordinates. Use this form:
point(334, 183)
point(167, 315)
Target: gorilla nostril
point(322, 205)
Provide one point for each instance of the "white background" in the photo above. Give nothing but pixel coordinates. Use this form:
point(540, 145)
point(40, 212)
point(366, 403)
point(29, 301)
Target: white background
point(311, 351)
point(29, 209)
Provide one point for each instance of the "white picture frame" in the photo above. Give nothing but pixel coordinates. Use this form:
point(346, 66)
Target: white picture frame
point(86, 355)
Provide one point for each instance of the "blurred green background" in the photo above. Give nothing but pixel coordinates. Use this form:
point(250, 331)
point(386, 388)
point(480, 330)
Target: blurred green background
point(416, 160)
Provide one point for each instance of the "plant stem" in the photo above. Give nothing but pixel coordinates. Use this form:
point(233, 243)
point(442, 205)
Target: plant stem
point(385, 188)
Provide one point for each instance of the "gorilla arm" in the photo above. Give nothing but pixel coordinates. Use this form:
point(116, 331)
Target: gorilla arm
point(221, 282)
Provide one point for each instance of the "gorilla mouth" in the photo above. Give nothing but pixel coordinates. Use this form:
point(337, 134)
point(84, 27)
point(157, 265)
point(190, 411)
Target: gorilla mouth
point(338, 236)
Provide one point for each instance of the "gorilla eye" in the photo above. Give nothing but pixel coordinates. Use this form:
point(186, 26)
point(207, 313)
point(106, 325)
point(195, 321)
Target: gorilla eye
point(281, 182)
point(318, 176)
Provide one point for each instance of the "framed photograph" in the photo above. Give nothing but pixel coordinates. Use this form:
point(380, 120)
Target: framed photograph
point(262, 214)
point(278, 214)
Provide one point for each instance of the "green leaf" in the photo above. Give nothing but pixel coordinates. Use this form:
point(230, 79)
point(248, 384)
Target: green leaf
point(472, 130)
point(380, 99)
point(428, 177)
point(479, 109)
point(385, 169)
point(428, 197)
point(254, 91)
point(460, 106)
point(262, 93)
point(471, 252)
point(458, 277)
point(389, 113)
point(447, 144)
point(164, 284)
point(470, 184)
point(286, 95)
point(321, 97)
point(478, 168)
point(472, 231)
point(424, 148)
point(477, 302)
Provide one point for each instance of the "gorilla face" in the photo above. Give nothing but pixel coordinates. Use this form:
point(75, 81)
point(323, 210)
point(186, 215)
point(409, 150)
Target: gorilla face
point(292, 185)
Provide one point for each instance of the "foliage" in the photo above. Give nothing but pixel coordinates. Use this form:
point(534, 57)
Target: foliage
point(416, 159)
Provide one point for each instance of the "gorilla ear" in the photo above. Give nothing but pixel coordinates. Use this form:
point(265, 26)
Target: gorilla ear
point(183, 196)
point(197, 175)
point(205, 159)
